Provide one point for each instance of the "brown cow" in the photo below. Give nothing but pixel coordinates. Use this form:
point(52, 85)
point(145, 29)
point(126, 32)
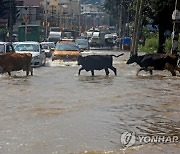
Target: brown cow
point(15, 62)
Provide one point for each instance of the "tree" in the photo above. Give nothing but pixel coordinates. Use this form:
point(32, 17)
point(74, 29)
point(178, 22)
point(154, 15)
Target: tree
point(156, 12)
point(161, 15)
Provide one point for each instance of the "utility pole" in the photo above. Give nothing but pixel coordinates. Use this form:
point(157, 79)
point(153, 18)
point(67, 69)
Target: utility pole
point(46, 25)
point(26, 17)
point(137, 26)
point(120, 23)
point(10, 20)
point(176, 27)
point(79, 19)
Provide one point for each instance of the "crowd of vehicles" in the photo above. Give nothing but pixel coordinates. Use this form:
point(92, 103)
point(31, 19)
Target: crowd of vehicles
point(64, 45)
point(96, 38)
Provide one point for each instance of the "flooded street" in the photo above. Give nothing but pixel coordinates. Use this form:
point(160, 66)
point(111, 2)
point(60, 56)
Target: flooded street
point(57, 111)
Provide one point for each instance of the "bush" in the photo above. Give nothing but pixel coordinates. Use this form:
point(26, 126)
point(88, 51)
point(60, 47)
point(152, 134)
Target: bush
point(151, 45)
point(168, 45)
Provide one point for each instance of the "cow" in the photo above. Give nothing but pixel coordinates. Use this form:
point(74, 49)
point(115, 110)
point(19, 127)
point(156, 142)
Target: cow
point(14, 62)
point(150, 62)
point(97, 62)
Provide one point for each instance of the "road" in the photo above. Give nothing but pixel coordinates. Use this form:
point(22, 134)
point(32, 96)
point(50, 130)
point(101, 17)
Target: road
point(57, 111)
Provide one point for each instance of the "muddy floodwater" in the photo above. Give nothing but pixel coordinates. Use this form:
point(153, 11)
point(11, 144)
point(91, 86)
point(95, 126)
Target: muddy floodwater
point(57, 111)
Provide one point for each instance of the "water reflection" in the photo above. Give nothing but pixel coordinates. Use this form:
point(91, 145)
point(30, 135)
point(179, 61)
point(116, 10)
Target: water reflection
point(103, 79)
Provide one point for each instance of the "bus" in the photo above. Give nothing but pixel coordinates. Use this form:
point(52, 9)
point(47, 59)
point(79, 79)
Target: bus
point(30, 33)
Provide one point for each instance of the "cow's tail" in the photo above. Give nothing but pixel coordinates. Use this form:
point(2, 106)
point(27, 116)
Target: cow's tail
point(117, 55)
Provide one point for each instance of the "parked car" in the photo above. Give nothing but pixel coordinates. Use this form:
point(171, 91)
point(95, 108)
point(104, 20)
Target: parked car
point(82, 44)
point(38, 54)
point(6, 47)
point(48, 48)
point(66, 51)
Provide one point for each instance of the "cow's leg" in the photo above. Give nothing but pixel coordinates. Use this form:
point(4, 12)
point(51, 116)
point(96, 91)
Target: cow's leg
point(139, 70)
point(9, 73)
point(92, 72)
point(27, 72)
point(172, 72)
point(107, 71)
point(177, 68)
point(150, 69)
point(151, 72)
point(171, 68)
point(113, 69)
point(31, 70)
point(80, 70)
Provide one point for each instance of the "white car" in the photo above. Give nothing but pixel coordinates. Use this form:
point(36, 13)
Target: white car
point(38, 54)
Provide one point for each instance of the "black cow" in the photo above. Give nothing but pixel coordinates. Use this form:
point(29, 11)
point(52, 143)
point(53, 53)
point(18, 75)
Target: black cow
point(150, 62)
point(97, 62)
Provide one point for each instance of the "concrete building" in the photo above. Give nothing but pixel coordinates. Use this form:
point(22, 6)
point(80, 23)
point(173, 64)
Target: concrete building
point(28, 2)
point(29, 12)
point(66, 14)
point(62, 13)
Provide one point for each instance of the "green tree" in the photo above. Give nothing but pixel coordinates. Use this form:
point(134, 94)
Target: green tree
point(155, 12)
point(161, 15)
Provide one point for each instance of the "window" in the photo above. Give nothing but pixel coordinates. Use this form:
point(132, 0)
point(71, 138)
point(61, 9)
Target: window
point(2, 48)
point(9, 48)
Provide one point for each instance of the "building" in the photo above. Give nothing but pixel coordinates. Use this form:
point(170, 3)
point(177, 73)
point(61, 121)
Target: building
point(62, 13)
point(29, 12)
point(28, 2)
point(66, 14)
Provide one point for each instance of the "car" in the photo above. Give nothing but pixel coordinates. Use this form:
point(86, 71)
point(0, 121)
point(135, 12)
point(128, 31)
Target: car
point(94, 41)
point(6, 47)
point(66, 51)
point(82, 44)
point(54, 39)
point(48, 48)
point(38, 54)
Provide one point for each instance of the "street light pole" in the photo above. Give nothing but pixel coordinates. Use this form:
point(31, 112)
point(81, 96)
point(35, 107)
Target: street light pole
point(25, 25)
point(137, 25)
point(79, 17)
point(46, 30)
point(120, 23)
point(10, 21)
point(176, 27)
